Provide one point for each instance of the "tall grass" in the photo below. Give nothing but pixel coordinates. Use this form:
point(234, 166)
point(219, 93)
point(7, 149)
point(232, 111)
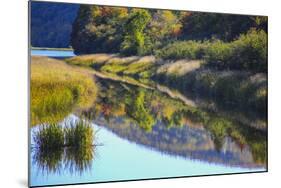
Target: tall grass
point(79, 134)
point(49, 137)
point(57, 88)
point(70, 134)
point(94, 60)
point(71, 142)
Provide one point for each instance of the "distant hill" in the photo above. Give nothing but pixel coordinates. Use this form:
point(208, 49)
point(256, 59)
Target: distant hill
point(51, 24)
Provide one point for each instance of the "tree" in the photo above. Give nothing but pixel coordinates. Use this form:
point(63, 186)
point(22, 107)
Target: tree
point(98, 29)
point(226, 27)
point(138, 110)
point(135, 38)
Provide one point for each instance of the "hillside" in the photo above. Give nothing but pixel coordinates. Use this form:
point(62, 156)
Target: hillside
point(51, 24)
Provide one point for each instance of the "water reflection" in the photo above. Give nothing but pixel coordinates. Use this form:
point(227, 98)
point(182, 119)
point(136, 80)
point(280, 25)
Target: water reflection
point(160, 123)
point(69, 145)
point(76, 161)
point(154, 119)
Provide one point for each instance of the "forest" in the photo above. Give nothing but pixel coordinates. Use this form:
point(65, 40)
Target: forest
point(223, 40)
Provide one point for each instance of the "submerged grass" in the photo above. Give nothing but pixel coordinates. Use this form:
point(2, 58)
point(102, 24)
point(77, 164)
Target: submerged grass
point(57, 88)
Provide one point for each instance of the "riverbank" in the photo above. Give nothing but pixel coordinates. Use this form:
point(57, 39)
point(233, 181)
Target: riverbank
point(228, 88)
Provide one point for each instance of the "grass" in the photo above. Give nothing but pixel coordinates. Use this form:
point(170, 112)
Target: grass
point(78, 134)
point(70, 134)
point(71, 142)
point(57, 89)
point(141, 67)
point(180, 67)
point(49, 137)
point(94, 60)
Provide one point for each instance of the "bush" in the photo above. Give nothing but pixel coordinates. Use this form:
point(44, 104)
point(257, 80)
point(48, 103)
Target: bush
point(248, 52)
point(182, 50)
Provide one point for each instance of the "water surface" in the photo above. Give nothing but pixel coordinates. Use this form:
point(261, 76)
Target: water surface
point(53, 53)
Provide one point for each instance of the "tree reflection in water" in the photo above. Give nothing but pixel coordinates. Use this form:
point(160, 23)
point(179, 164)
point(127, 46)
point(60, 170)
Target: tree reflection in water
point(121, 107)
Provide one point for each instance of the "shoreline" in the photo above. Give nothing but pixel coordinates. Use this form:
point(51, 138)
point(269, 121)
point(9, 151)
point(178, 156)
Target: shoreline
point(51, 49)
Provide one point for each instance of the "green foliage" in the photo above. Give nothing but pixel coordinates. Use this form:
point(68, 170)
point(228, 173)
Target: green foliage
point(248, 52)
point(202, 26)
point(135, 38)
point(182, 50)
point(100, 29)
point(140, 113)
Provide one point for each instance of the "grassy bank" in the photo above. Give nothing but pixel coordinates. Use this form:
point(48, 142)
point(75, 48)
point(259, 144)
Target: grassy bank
point(233, 74)
point(232, 88)
point(134, 66)
point(57, 89)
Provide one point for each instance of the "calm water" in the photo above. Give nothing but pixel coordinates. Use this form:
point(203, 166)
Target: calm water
point(146, 133)
point(52, 53)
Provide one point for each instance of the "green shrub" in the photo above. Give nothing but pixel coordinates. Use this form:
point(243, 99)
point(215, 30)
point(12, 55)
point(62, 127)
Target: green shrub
point(182, 50)
point(248, 52)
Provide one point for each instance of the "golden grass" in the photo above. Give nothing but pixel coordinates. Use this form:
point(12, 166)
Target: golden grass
point(90, 60)
point(57, 89)
point(180, 67)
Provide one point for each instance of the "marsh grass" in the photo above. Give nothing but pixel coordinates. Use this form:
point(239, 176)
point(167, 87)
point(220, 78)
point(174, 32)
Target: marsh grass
point(71, 142)
point(70, 134)
point(57, 88)
point(49, 137)
point(78, 134)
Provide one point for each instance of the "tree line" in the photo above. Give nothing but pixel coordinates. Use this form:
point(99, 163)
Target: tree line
point(134, 31)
